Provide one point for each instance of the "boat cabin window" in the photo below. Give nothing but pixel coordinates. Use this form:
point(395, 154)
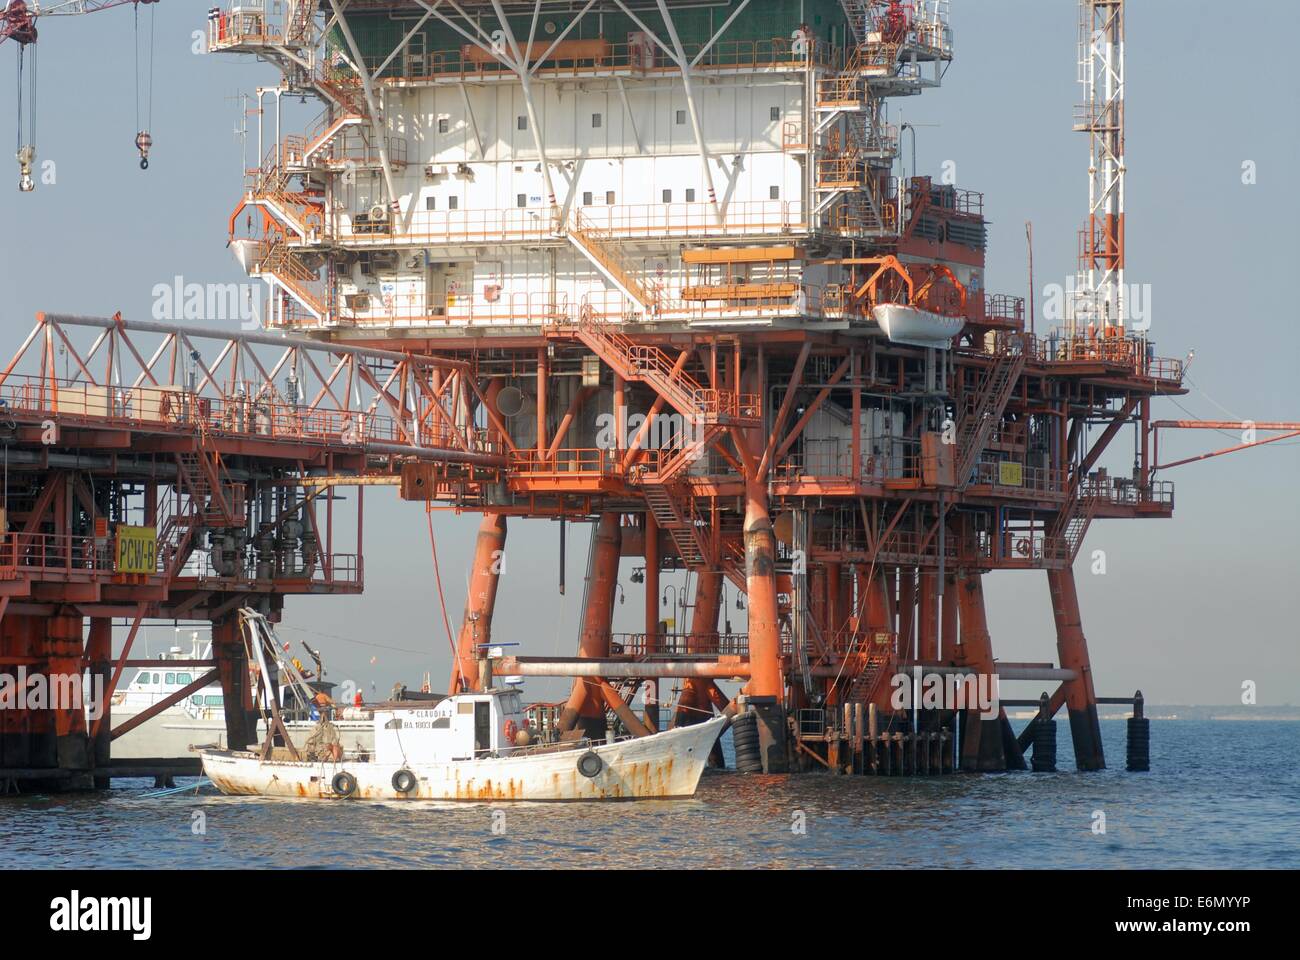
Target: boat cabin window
point(142, 678)
point(213, 700)
point(197, 700)
point(482, 726)
point(171, 678)
point(184, 678)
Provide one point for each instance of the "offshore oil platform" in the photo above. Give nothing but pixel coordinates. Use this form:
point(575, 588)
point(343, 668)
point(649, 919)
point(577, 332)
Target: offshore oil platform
point(654, 266)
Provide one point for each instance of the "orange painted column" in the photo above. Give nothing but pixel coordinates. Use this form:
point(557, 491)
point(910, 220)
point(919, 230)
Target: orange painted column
point(237, 695)
point(99, 654)
point(766, 690)
point(1072, 648)
point(927, 616)
point(651, 551)
point(877, 618)
point(64, 650)
point(985, 738)
point(693, 706)
point(906, 610)
point(948, 614)
point(586, 705)
point(480, 602)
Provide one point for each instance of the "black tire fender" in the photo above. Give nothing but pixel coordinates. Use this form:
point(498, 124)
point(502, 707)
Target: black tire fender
point(404, 781)
point(590, 764)
point(344, 784)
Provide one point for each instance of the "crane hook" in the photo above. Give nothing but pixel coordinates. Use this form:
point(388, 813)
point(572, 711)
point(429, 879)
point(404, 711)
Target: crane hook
point(142, 143)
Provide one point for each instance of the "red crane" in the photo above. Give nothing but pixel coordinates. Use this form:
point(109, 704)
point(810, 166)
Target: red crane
point(18, 20)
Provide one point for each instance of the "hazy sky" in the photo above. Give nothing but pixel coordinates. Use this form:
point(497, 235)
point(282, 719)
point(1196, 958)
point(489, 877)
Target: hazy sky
point(1188, 608)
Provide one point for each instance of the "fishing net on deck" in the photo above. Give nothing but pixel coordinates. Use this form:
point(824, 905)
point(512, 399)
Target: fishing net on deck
point(323, 743)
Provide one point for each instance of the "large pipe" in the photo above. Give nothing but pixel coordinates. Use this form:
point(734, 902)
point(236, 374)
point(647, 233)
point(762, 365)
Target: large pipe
point(621, 669)
point(984, 746)
point(593, 642)
point(760, 586)
point(480, 602)
point(927, 644)
point(1072, 648)
point(693, 705)
point(726, 670)
point(650, 548)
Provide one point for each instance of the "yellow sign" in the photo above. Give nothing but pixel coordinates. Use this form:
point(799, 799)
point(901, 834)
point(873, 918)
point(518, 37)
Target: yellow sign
point(1010, 474)
point(137, 550)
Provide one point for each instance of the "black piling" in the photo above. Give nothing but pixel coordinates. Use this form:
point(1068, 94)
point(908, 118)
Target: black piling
point(1139, 738)
point(1044, 759)
point(744, 731)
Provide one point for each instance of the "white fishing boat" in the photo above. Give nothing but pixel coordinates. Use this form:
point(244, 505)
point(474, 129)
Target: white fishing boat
point(474, 746)
point(912, 325)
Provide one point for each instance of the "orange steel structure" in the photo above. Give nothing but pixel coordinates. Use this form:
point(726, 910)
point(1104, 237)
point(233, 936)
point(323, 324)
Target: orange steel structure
point(856, 488)
point(205, 447)
point(766, 430)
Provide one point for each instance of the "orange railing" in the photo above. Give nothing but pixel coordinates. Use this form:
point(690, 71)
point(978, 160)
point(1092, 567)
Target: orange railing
point(614, 222)
point(1127, 350)
point(1016, 479)
point(254, 416)
point(743, 218)
point(35, 552)
point(584, 461)
point(777, 53)
point(681, 644)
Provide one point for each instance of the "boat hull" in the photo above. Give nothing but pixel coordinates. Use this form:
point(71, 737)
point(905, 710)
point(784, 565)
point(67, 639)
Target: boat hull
point(921, 328)
point(662, 765)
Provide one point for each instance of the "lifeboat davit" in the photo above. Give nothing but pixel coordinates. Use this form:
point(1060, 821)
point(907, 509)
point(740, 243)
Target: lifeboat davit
point(920, 328)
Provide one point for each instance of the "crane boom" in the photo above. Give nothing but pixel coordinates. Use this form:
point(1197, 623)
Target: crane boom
point(18, 18)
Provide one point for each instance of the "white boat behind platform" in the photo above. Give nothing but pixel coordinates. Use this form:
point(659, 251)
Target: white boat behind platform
point(200, 718)
point(464, 748)
point(920, 328)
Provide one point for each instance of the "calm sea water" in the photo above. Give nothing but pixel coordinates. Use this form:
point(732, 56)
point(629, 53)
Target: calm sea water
point(1220, 794)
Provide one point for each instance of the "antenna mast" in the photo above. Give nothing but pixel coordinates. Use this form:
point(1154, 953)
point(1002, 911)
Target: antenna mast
point(1100, 297)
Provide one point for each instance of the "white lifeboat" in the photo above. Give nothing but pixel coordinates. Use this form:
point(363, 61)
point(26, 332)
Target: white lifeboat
point(921, 328)
point(247, 252)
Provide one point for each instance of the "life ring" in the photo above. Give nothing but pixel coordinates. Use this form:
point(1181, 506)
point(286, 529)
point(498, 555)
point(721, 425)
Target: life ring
point(590, 764)
point(404, 781)
point(511, 728)
point(344, 784)
point(1022, 546)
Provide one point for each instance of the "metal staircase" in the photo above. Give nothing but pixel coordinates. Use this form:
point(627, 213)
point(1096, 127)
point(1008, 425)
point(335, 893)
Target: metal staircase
point(297, 26)
point(983, 409)
point(1062, 543)
point(864, 685)
point(650, 365)
point(598, 246)
point(331, 130)
point(674, 512)
point(280, 263)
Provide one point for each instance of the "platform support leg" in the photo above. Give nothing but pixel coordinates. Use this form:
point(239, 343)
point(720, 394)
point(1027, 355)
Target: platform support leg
point(586, 706)
point(766, 689)
point(480, 602)
point(1072, 648)
point(99, 651)
point(237, 695)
